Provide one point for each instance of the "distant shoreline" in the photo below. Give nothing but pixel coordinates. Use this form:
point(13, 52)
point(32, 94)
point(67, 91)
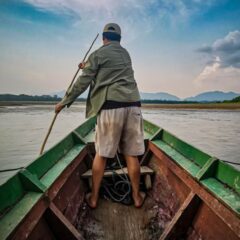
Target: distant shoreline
point(230, 106)
point(223, 106)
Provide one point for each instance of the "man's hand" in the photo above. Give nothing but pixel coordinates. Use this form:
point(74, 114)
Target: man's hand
point(59, 107)
point(82, 65)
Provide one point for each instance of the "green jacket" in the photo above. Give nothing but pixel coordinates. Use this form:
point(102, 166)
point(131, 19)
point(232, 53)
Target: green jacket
point(109, 73)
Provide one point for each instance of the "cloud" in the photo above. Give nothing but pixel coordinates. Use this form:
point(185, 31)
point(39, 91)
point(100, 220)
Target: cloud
point(139, 16)
point(217, 78)
point(226, 49)
point(209, 70)
point(222, 69)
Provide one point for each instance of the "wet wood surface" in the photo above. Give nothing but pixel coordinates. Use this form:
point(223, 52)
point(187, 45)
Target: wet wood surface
point(120, 222)
point(108, 173)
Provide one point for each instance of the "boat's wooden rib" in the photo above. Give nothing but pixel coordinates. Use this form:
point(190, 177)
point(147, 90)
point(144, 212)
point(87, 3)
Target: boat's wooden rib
point(188, 199)
point(30, 222)
point(231, 219)
point(61, 226)
point(182, 219)
point(68, 173)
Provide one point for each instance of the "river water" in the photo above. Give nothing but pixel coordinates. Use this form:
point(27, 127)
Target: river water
point(23, 128)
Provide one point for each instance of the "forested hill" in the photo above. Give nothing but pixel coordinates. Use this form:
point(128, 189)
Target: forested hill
point(55, 98)
point(24, 97)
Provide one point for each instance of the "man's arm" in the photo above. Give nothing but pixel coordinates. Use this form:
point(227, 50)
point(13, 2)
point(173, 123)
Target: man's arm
point(90, 69)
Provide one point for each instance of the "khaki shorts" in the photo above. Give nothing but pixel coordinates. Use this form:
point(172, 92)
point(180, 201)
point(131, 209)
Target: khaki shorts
point(120, 129)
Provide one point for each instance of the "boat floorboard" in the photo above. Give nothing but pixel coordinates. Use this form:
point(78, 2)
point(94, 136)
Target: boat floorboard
point(114, 221)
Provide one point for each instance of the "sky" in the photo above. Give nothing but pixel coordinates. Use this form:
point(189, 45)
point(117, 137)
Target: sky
point(182, 47)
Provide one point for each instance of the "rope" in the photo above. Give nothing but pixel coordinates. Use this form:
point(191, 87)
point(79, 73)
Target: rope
point(10, 169)
point(120, 190)
point(235, 163)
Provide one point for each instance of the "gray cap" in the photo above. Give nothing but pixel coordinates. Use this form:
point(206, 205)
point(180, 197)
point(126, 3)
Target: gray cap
point(112, 27)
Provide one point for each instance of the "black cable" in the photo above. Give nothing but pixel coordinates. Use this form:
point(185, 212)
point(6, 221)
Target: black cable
point(231, 162)
point(114, 191)
point(10, 169)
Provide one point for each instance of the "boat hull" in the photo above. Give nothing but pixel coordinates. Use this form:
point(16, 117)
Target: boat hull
point(180, 205)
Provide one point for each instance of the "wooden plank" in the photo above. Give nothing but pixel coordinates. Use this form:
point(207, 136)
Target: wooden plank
point(29, 223)
point(70, 196)
point(108, 173)
point(61, 180)
point(228, 216)
point(114, 221)
point(41, 231)
point(209, 226)
point(170, 179)
point(147, 155)
point(182, 219)
point(60, 225)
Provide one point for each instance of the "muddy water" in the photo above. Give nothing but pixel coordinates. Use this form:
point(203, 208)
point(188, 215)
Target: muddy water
point(23, 128)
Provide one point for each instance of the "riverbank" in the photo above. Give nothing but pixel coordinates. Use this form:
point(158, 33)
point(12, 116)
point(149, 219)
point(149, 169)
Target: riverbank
point(230, 106)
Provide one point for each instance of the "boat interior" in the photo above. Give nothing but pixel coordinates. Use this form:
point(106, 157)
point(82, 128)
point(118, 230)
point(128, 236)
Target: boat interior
point(190, 194)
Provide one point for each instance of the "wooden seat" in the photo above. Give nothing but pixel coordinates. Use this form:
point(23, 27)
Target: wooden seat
point(108, 173)
point(144, 170)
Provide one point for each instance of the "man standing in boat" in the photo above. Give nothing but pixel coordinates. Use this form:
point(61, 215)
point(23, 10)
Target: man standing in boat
point(115, 99)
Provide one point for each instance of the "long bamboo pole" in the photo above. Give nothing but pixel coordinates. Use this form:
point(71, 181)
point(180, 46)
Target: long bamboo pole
point(69, 87)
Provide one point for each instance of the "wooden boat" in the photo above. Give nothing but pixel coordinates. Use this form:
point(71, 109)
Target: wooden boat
point(193, 195)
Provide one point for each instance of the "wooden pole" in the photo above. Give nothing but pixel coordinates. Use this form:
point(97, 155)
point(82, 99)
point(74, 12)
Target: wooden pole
point(69, 87)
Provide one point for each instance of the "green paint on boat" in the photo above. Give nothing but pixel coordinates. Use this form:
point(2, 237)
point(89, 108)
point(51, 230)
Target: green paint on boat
point(186, 163)
point(86, 130)
point(11, 192)
point(51, 175)
point(31, 182)
point(220, 178)
point(12, 218)
point(224, 192)
point(187, 156)
point(223, 181)
point(150, 129)
point(21, 192)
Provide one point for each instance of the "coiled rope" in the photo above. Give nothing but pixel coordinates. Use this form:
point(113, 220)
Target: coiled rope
point(119, 190)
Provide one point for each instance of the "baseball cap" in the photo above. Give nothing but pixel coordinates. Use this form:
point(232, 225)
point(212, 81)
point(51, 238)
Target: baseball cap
point(113, 28)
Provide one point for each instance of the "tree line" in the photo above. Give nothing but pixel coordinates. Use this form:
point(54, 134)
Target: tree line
point(55, 98)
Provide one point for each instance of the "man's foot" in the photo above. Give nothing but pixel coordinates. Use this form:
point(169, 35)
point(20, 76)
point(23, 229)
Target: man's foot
point(90, 202)
point(139, 199)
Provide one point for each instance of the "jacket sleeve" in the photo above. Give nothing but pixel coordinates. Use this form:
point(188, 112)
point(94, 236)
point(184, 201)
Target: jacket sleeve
point(88, 75)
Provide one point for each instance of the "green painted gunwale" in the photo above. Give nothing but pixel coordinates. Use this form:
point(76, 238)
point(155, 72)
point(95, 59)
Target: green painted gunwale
point(220, 178)
point(22, 191)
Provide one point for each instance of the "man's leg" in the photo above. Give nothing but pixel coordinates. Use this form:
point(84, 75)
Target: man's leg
point(134, 174)
point(97, 175)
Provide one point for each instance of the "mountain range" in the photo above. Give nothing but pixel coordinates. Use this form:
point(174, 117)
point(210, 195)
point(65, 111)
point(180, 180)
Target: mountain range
point(211, 96)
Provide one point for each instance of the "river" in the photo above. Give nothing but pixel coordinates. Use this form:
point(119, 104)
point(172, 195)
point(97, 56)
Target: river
point(23, 128)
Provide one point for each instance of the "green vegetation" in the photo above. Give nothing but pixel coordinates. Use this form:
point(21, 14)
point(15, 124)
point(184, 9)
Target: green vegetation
point(12, 99)
point(234, 100)
point(24, 97)
point(156, 101)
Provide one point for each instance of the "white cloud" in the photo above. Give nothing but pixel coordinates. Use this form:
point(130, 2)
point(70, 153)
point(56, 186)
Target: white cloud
point(137, 16)
point(222, 72)
point(209, 70)
point(227, 48)
point(224, 79)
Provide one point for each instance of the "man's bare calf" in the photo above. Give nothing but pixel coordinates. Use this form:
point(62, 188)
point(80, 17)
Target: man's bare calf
point(98, 167)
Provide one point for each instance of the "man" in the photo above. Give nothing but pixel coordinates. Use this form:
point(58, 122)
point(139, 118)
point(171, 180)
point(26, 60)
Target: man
point(115, 99)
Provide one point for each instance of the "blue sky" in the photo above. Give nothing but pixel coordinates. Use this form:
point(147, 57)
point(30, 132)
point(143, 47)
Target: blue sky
point(181, 47)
